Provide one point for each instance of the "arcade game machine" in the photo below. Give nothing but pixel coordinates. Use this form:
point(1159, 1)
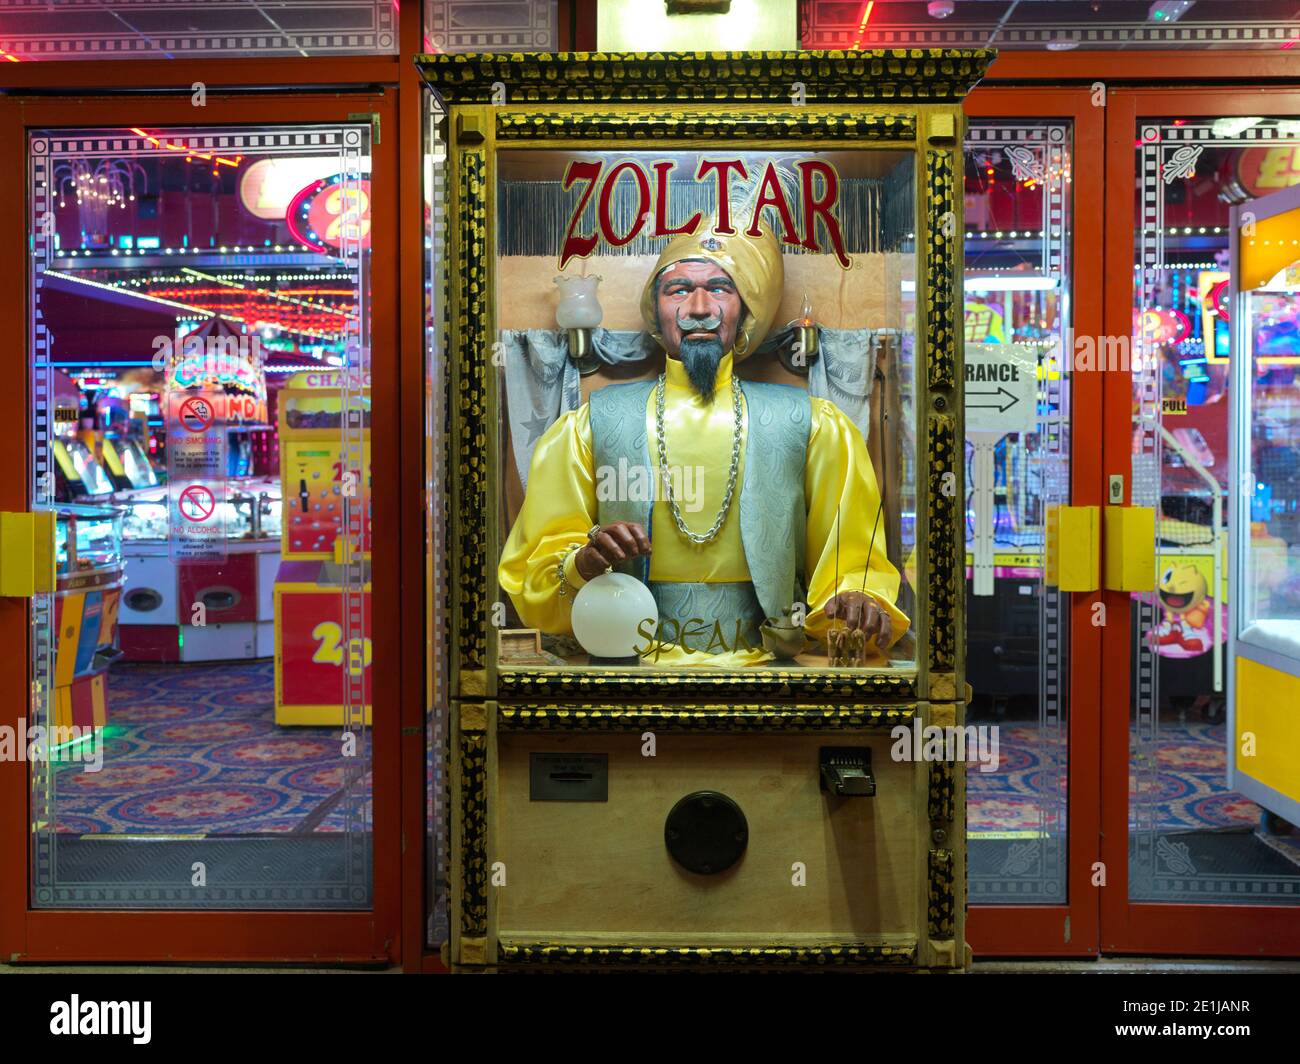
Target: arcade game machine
point(1264, 575)
point(79, 473)
point(318, 627)
point(234, 583)
point(126, 441)
point(701, 506)
point(89, 564)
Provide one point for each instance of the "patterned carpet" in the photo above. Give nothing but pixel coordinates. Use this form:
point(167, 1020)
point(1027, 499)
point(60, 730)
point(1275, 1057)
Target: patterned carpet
point(1190, 784)
point(194, 749)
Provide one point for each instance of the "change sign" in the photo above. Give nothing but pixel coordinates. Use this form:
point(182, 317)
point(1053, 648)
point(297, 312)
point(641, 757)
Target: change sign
point(1001, 389)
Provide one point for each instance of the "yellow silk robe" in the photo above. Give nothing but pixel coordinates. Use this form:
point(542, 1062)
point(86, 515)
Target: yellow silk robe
point(561, 505)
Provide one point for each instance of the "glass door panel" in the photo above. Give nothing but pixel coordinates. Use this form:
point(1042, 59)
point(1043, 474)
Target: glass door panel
point(1017, 315)
point(1192, 836)
point(199, 352)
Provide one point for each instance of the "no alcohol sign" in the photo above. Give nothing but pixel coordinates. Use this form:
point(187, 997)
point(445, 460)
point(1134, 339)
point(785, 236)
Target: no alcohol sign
point(197, 503)
point(198, 531)
point(196, 473)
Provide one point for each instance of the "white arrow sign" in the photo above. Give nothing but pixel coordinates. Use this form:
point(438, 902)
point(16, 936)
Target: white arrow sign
point(1001, 388)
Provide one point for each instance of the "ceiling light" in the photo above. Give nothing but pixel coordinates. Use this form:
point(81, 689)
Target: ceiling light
point(939, 8)
point(1168, 10)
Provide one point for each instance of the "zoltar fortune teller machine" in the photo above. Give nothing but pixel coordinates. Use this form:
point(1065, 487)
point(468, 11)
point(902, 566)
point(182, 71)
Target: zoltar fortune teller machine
point(696, 366)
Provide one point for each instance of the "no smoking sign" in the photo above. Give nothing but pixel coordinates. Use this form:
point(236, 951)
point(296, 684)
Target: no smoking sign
point(197, 414)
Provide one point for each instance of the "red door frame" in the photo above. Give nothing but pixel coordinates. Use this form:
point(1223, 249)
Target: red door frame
point(1131, 927)
point(86, 935)
point(1069, 929)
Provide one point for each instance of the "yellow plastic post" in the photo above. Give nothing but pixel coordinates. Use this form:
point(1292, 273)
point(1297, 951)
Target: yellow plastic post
point(1130, 548)
point(1073, 547)
point(26, 554)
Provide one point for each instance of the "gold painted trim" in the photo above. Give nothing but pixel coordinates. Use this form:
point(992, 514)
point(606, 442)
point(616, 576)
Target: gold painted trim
point(702, 718)
point(636, 126)
point(913, 74)
point(473, 951)
point(589, 684)
point(943, 685)
point(600, 954)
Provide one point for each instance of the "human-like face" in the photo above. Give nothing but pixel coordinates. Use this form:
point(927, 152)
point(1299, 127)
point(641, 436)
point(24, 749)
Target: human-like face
point(698, 301)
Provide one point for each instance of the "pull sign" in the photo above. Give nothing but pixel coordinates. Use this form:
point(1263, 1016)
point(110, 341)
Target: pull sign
point(1116, 489)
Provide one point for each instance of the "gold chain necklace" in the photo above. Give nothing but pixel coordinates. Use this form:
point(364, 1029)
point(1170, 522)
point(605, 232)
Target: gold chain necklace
point(660, 439)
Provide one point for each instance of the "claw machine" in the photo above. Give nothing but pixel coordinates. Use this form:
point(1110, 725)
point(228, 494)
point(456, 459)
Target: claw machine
point(1264, 602)
point(320, 638)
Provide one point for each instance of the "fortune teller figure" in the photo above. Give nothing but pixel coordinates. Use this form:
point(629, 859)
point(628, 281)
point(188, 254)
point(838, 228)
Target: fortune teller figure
point(776, 465)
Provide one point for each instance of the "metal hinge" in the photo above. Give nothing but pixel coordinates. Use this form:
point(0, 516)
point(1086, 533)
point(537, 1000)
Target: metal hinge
point(368, 116)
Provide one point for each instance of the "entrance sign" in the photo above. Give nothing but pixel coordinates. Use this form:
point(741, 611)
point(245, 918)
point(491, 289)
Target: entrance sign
point(1001, 397)
point(1001, 388)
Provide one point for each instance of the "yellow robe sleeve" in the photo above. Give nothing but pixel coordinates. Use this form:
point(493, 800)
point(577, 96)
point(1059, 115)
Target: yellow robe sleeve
point(559, 507)
point(839, 480)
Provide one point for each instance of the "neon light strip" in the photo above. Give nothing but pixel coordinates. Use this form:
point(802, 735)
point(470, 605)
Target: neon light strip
point(866, 17)
point(132, 295)
point(188, 152)
point(269, 295)
point(187, 309)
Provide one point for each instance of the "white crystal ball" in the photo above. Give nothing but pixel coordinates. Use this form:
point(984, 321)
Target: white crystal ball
point(607, 613)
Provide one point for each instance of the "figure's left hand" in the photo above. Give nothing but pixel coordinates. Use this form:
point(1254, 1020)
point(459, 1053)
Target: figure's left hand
point(861, 611)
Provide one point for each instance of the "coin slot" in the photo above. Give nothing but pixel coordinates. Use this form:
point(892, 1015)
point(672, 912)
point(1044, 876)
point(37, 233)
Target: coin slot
point(556, 777)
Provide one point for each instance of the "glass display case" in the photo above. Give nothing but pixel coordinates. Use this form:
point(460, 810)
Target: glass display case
point(252, 511)
point(88, 544)
point(1264, 601)
point(754, 485)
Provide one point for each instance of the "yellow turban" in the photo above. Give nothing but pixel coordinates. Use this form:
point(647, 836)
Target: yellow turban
point(753, 263)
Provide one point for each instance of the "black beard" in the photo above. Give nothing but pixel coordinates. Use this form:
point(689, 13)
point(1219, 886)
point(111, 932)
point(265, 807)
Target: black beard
point(701, 359)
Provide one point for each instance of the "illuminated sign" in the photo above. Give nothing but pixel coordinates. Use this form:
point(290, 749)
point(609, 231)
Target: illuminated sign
point(1264, 170)
point(214, 361)
point(1163, 325)
point(984, 323)
point(268, 186)
point(325, 214)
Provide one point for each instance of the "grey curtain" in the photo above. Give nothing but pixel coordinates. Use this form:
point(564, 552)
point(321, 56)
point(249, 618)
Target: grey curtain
point(542, 382)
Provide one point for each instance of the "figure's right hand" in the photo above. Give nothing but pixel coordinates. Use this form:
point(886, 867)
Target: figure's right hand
point(614, 543)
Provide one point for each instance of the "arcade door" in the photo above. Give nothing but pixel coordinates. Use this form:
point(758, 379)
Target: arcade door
point(199, 667)
point(1032, 236)
point(1193, 864)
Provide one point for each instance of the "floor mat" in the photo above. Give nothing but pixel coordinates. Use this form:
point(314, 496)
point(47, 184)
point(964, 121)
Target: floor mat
point(321, 871)
point(1188, 789)
point(195, 749)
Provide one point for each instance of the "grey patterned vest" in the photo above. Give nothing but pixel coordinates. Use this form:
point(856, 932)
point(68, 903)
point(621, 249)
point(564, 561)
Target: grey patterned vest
point(773, 517)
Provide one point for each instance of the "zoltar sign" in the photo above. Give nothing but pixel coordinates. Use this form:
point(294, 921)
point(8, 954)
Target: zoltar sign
point(819, 191)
